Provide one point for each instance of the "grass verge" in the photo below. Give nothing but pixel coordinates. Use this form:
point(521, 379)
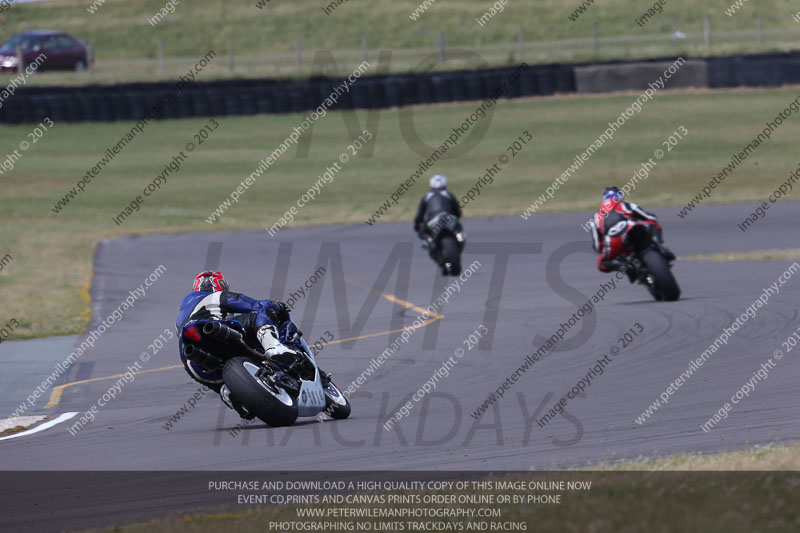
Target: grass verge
point(11, 431)
point(770, 458)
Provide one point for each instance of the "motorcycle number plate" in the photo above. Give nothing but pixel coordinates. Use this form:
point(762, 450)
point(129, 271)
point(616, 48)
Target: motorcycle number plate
point(311, 400)
point(312, 397)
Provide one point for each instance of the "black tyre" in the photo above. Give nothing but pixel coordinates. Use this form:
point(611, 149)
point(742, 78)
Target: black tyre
point(450, 254)
point(665, 288)
point(336, 405)
point(260, 397)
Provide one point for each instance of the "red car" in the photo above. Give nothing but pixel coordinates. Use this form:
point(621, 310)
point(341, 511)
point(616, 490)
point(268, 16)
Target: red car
point(61, 51)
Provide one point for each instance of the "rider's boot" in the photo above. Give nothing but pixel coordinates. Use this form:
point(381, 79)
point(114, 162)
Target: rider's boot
point(613, 265)
point(274, 349)
point(658, 236)
point(631, 271)
point(668, 254)
point(325, 378)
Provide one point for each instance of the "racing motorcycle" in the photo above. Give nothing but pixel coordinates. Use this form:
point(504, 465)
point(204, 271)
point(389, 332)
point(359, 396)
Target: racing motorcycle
point(646, 260)
point(446, 242)
point(276, 394)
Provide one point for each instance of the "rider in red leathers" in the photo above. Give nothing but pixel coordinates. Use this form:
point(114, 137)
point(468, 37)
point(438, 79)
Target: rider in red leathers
point(614, 210)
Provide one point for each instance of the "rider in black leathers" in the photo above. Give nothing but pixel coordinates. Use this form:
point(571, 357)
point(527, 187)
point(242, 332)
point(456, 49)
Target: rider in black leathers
point(437, 200)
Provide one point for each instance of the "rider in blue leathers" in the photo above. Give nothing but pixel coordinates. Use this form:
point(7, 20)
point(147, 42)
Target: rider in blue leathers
point(266, 321)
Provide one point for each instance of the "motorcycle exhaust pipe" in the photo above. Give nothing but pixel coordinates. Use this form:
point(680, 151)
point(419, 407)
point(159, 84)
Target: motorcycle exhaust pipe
point(221, 332)
point(234, 339)
point(201, 357)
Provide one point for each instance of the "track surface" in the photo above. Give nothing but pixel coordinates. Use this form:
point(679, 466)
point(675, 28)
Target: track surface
point(128, 434)
point(24, 362)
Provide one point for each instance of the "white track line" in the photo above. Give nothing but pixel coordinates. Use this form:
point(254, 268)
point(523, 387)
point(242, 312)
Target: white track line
point(47, 425)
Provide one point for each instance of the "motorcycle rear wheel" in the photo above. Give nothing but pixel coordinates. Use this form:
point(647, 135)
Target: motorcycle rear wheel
point(450, 254)
point(665, 287)
point(270, 403)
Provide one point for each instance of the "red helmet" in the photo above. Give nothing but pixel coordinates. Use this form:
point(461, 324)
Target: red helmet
point(211, 281)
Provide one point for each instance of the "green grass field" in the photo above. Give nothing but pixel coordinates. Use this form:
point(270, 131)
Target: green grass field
point(52, 253)
point(264, 40)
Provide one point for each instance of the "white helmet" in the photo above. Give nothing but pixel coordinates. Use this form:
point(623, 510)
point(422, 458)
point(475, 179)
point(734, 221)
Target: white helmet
point(438, 182)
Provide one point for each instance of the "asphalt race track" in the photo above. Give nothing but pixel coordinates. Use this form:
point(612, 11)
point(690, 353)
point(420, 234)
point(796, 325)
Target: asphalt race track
point(533, 275)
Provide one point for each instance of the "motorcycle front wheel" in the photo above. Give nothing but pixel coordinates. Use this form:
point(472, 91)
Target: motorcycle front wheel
point(336, 405)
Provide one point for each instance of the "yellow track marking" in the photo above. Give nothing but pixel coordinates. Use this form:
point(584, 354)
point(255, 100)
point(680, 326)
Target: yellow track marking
point(408, 305)
point(55, 396)
point(421, 325)
point(756, 255)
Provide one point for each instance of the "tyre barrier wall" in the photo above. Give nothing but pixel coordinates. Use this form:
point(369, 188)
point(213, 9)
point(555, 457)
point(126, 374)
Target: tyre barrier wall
point(132, 101)
point(769, 70)
point(260, 96)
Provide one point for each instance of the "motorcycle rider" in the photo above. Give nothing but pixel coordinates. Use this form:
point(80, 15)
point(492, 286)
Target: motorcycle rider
point(266, 321)
point(614, 210)
point(436, 201)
